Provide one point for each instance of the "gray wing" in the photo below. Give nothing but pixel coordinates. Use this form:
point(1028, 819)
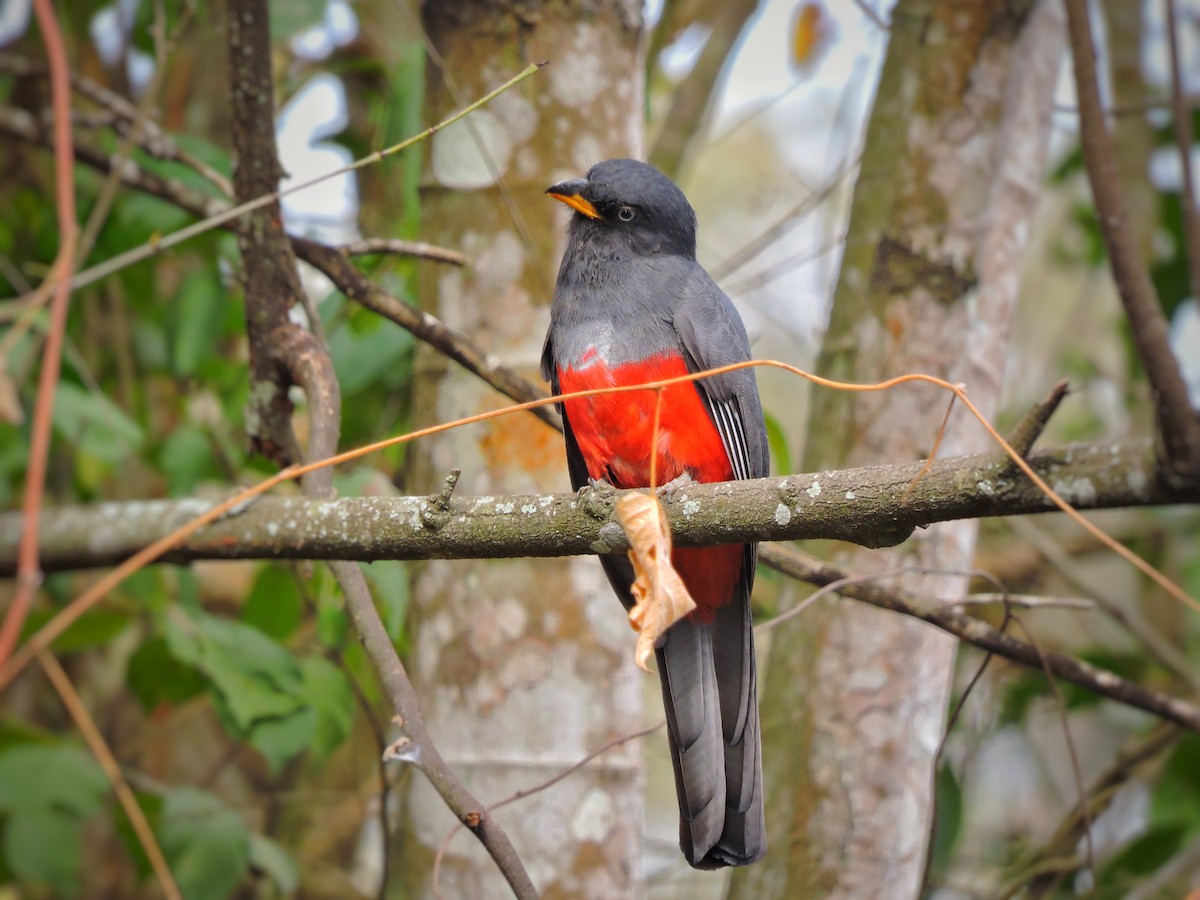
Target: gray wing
point(712, 335)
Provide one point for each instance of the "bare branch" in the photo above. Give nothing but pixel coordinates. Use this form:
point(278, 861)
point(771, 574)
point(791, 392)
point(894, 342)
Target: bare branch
point(1184, 139)
point(1030, 428)
point(396, 247)
point(1178, 423)
point(354, 284)
point(980, 634)
point(797, 507)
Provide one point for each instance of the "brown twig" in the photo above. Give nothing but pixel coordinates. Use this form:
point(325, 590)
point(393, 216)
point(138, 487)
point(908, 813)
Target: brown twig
point(1184, 139)
point(28, 572)
point(96, 743)
point(1076, 771)
point(397, 247)
point(939, 761)
point(1033, 423)
point(691, 98)
point(1042, 879)
point(980, 634)
point(1178, 424)
point(536, 789)
point(354, 284)
point(282, 354)
point(334, 262)
point(124, 115)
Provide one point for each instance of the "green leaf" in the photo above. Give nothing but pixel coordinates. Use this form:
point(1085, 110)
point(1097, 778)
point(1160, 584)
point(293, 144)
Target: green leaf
point(274, 606)
point(206, 844)
point(253, 678)
point(95, 424)
point(778, 443)
point(155, 676)
point(43, 846)
point(1176, 797)
point(56, 776)
point(389, 580)
point(328, 693)
point(283, 738)
point(948, 815)
point(287, 19)
point(199, 313)
point(93, 629)
point(48, 791)
point(1143, 856)
point(363, 358)
point(186, 457)
point(268, 857)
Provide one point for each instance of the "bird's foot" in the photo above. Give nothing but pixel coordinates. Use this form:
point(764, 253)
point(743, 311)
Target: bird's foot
point(598, 498)
point(675, 485)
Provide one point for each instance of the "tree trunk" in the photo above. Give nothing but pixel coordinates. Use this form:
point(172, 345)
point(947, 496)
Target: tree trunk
point(855, 699)
point(523, 666)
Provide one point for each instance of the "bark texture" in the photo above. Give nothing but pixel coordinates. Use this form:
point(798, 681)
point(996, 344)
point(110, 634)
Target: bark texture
point(856, 701)
point(523, 667)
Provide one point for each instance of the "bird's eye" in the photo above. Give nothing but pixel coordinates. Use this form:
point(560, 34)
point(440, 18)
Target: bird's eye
point(626, 213)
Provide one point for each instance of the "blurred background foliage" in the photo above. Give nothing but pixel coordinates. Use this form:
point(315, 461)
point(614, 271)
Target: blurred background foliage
point(236, 696)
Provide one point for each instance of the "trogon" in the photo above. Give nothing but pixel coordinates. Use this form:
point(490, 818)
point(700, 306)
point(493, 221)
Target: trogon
point(633, 305)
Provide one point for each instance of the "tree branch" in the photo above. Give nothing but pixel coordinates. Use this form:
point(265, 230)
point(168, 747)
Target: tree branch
point(334, 262)
point(1178, 423)
point(982, 635)
point(283, 354)
point(1094, 476)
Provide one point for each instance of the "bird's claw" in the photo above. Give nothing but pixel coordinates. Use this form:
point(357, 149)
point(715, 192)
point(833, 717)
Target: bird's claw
point(675, 485)
point(598, 498)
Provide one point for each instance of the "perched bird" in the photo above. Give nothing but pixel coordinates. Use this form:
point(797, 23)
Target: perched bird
point(632, 305)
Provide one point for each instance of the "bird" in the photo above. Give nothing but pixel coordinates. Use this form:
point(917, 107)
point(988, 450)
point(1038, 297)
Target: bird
point(632, 305)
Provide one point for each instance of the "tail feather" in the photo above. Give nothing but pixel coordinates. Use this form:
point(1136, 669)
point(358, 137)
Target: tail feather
point(692, 705)
point(708, 681)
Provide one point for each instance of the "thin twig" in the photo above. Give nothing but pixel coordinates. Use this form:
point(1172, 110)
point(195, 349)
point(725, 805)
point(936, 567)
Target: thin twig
point(530, 791)
point(1042, 878)
point(980, 634)
point(397, 247)
point(1178, 424)
point(165, 242)
point(1076, 771)
point(1157, 644)
point(1184, 140)
point(938, 760)
point(98, 746)
point(1027, 601)
point(154, 140)
point(28, 572)
point(1033, 423)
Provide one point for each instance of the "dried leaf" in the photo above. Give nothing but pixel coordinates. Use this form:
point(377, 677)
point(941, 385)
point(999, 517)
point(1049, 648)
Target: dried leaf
point(809, 31)
point(660, 595)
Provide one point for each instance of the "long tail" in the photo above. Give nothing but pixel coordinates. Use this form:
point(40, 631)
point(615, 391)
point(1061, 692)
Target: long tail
point(708, 684)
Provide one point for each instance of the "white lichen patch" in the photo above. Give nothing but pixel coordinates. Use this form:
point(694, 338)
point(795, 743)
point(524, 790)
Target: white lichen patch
point(1078, 491)
point(580, 83)
point(849, 495)
point(511, 618)
point(691, 507)
point(528, 508)
point(985, 488)
point(456, 158)
point(814, 489)
point(545, 501)
point(593, 818)
point(783, 515)
point(1136, 479)
point(505, 508)
point(272, 528)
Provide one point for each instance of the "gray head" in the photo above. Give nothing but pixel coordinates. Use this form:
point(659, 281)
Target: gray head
point(630, 203)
